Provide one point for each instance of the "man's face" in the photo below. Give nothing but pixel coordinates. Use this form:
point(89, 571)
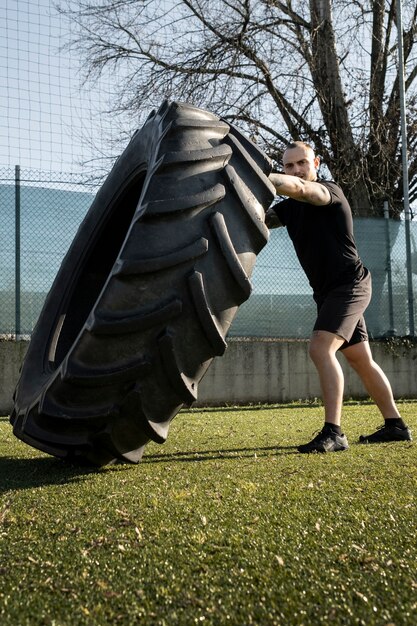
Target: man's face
point(301, 162)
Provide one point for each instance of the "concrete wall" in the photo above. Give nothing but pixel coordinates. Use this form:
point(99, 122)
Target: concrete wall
point(256, 371)
point(273, 371)
point(11, 357)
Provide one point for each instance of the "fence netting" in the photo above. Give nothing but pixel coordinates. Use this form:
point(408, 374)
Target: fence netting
point(41, 212)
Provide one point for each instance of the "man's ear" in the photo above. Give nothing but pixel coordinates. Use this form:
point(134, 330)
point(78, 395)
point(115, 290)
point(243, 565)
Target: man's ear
point(317, 162)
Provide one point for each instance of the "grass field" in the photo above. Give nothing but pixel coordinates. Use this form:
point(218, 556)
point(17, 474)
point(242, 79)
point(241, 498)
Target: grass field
point(224, 524)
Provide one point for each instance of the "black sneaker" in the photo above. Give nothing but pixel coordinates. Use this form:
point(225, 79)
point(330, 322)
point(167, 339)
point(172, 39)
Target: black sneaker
point(325, 441)
point(385, 434)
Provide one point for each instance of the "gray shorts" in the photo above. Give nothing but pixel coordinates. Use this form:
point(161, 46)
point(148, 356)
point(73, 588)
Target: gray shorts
point(341, 310)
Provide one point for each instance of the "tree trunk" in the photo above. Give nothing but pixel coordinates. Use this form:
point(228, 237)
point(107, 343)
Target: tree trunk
point(324, 67)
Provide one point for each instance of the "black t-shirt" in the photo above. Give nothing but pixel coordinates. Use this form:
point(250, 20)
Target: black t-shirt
point(323, 239)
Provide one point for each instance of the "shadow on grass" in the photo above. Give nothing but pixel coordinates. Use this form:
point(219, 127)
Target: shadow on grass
point(237, 408)
point(17, 474)
point(193, 456)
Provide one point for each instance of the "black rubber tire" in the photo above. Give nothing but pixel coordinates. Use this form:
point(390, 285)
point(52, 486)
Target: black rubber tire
point(147, 291)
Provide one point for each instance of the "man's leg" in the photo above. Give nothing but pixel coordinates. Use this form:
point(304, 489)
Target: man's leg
point(359, 357)
point(323, 348)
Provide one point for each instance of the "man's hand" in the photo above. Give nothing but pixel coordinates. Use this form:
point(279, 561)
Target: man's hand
point(271, 219)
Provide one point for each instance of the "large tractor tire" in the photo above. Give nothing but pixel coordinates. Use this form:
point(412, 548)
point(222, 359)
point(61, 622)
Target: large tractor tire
point(147, 291)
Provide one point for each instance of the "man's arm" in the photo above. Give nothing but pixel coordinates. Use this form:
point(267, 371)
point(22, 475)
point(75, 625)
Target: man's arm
point(308, 191)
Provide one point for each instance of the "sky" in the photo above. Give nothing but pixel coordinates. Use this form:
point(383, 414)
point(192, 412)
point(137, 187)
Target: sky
point(44, 111)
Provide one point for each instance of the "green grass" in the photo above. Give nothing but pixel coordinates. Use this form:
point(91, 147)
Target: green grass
point(224, 524)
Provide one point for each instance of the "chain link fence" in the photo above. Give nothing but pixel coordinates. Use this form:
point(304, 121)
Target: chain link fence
point(281, 304)
point(41, 212)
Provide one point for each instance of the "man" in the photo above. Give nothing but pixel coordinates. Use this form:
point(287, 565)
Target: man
point(319, 222)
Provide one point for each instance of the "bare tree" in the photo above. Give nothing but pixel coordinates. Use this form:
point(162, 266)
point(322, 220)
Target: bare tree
point(322, 71)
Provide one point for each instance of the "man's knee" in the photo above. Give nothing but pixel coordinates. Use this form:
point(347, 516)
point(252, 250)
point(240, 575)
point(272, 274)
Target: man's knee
point(315, 350)
point(324, 345)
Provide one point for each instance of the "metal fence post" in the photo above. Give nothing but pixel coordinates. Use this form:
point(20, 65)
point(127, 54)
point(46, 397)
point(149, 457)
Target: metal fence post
point(407, 212)
point(391, 330)
point(17, 329)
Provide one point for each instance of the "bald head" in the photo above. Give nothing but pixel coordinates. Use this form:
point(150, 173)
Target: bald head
point(298, 144)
